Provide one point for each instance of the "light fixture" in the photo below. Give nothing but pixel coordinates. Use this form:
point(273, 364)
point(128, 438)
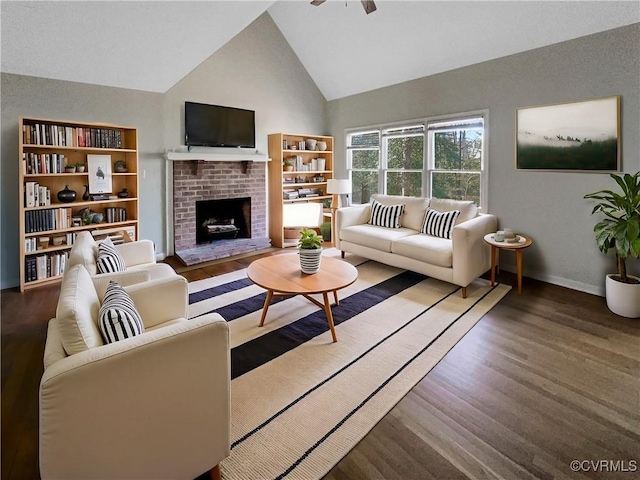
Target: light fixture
point(338, 187)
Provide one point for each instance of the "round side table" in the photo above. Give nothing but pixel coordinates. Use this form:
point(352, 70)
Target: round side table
point(518, 247)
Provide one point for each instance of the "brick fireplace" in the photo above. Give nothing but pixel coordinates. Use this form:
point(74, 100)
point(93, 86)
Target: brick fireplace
point(231, 182)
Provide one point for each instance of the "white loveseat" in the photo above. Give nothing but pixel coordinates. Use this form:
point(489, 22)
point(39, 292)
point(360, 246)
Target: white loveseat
point(459, 260)
point(152, 406)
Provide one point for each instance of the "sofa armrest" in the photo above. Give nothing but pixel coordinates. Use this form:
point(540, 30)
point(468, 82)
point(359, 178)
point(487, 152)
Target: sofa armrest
point(124, 409)
point(161, 300)
point(128, 277)
point(135, 253)
point(348, 216)
point(471, 254)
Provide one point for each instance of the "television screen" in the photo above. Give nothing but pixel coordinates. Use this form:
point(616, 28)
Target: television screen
point(217, 126)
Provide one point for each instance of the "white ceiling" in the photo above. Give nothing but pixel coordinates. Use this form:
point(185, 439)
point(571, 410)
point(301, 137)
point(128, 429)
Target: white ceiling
point(152, 45)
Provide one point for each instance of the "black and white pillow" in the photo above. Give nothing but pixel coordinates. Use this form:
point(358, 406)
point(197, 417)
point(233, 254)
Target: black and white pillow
point(385, 215)
point(109, 259)
point(439, 224)
point(118, 318)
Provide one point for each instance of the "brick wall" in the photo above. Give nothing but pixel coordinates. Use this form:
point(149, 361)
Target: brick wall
point(198, 180)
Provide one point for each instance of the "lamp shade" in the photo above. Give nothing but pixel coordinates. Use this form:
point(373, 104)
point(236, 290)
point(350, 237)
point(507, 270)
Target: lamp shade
point(338, 186)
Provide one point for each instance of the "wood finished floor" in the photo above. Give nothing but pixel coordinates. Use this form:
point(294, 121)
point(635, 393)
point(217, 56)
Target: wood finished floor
point(544, 378)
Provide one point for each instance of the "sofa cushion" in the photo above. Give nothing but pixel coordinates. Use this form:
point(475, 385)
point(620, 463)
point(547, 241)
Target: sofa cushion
point(84, 251)
point(109, 259)
point(439, 224)
point(425, 248)
point(468, 209)
point(414, 208)
point(118, 316)
point(385, 215)
point(77, 311)
point(372, 236)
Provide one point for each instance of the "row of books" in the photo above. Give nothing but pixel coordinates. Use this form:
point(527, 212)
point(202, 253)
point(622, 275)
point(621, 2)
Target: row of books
point(47, 219)
point(36, 195)
point(34, 163)
point(60, 135)
point(301, 193)
point(39, 267)
point(115, 214)
point(31, 243)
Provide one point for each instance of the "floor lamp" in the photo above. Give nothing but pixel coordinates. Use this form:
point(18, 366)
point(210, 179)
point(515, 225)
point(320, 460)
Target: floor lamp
point(337, 188)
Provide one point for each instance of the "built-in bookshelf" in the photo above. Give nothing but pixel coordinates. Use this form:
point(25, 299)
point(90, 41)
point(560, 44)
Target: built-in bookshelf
point(48, 149)
point(297, 176)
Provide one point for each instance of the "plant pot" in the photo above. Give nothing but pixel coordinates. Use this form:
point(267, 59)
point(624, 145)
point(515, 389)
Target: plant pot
point(80, 168)
point(623, 298)
point(310, 259)
point(70, 169)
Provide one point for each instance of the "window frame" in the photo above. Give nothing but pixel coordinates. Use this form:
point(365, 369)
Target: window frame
point(428, 166)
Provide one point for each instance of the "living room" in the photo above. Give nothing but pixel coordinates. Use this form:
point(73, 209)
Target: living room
point(258, 69)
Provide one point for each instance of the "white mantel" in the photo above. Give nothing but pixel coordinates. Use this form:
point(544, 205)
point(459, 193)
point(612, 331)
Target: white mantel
point(219, 155)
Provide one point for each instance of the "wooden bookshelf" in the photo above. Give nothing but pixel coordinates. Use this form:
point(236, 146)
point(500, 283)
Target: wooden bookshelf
point(306, 174)
point(46, 147)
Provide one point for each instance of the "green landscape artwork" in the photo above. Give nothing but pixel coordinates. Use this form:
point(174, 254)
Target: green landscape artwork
point(574, 136)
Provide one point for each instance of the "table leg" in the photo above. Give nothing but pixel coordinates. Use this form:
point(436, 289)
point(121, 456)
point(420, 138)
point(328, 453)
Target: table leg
point(327, 311)
point(519, 269)
point(335, 297)
point(493, 265)
point(267, 302)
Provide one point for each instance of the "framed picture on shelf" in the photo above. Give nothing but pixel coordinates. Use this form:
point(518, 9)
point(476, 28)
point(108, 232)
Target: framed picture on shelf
point(578, 136)
point(99, 168)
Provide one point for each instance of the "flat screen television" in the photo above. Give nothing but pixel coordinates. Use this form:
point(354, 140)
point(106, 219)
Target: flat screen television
point(218, 126)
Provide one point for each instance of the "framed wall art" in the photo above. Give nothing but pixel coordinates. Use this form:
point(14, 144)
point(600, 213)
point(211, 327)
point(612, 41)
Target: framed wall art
point(578, 136)
point(99, 169)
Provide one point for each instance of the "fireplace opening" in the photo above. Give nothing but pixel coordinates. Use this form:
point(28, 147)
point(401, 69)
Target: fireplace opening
point(225, 219)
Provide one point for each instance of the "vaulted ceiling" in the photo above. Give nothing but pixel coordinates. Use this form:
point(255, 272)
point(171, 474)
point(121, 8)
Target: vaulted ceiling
point(151, 45)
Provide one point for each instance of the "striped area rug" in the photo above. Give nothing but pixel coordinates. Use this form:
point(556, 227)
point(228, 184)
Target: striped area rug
point(299, 402)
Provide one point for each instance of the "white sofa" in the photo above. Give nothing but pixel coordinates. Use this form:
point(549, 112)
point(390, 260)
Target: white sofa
point(139, 258)
point(458, 260)
point(153, 406)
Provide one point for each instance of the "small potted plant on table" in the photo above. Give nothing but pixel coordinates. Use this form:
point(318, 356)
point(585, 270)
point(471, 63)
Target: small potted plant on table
point(310, 249)
point(620, 231)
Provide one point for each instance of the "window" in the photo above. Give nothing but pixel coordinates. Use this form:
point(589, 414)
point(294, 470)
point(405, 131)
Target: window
point(392, 159)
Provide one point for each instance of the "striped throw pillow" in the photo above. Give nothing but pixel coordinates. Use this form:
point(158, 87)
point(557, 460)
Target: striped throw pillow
point(118, 318)
point(385, 215)
point(109, 259)
point(439, 224)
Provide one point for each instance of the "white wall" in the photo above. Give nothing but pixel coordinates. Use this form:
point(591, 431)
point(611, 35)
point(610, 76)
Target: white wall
point(547, 206)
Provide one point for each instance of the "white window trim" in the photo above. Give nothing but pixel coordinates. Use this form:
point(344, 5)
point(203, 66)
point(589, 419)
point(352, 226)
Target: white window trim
point(484, 164)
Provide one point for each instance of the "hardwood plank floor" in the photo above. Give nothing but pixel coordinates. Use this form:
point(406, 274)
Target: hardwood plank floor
point(544, 378)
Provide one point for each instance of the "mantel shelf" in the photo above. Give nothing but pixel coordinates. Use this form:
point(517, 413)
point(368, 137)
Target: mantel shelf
point(217, 157)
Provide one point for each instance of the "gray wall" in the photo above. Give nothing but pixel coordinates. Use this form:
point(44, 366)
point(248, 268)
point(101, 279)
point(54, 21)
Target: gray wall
point(37, 97)
point(549, 207)
point(256, 70)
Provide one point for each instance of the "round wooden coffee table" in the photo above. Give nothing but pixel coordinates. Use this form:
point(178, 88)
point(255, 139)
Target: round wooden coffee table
point(281, 276)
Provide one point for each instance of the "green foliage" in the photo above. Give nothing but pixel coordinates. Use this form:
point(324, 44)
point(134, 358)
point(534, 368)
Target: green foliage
point(310, 239)
point(81, 164)
point(325, 230)
point(620, 229)
point(596, 155)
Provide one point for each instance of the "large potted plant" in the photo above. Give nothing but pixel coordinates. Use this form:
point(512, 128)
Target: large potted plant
point(310, 249)
point(620, 231)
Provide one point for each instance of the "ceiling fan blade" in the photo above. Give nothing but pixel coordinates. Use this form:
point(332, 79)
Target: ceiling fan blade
point(369, 6)
point(317, 2)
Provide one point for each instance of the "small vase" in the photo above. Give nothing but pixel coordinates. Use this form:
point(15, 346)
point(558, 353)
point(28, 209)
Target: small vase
point(123, 194)
point(310, 259)
point(66, 195)
point(85, 195)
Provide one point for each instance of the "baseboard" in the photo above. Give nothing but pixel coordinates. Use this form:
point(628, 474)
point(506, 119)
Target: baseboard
point(561, 282)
